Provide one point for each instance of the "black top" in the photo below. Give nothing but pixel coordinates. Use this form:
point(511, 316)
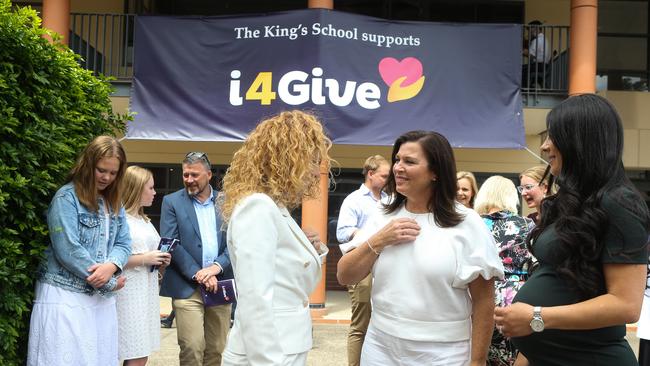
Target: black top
point(624, 242)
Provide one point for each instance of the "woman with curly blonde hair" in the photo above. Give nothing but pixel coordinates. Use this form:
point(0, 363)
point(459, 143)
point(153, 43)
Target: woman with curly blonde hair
point(276, 267)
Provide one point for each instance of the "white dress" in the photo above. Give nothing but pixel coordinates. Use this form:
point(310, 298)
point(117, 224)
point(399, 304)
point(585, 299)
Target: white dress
point(138, 306)
point(72, 328)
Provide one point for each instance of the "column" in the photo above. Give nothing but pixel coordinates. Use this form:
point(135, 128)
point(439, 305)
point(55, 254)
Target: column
point(56, 17)
point(583, 38)
point(314, 212)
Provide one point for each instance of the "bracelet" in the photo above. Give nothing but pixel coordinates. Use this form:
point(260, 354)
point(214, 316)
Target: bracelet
point(371, 248)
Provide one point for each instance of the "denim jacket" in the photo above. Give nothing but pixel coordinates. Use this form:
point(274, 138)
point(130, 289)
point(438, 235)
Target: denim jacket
point(75, 234)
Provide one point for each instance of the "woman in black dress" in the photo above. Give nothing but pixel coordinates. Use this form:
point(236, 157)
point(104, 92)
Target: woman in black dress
point(591, 244)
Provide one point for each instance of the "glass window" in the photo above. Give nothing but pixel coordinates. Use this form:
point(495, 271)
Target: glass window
point(622, 53)
point(623, 17)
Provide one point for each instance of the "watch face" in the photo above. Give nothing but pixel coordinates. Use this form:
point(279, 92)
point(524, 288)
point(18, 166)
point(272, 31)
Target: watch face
point(537, 325)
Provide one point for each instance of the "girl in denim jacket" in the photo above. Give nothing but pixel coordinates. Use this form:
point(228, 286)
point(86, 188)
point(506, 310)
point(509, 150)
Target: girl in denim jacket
point(74, 319)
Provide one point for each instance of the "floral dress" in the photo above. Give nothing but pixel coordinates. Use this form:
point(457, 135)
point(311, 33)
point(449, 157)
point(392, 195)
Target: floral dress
point(509, 232)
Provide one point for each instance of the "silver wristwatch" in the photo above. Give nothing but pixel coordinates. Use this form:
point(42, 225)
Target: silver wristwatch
point(537, 324)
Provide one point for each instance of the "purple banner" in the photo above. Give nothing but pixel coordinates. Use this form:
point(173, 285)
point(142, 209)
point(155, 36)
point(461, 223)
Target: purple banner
point(368, 79)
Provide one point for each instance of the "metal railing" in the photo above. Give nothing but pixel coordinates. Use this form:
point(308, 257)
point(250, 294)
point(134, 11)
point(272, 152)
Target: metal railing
point(546, 74)
point(105, 43)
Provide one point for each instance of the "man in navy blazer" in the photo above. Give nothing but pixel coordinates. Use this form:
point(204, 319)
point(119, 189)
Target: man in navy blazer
point(201, 259)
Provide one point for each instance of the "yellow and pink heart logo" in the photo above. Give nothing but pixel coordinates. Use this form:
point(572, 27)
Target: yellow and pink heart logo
point(404, 78)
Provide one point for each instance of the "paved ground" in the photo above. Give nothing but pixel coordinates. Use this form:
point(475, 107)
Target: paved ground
point(329, 347)
point(329, 339)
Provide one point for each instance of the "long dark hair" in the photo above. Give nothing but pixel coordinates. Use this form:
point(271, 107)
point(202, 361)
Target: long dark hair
point(440, 159)
point(588, 133)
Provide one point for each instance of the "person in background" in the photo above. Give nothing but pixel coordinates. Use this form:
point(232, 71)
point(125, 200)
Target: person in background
point(467, 188)
point(138, 304)
point(433, 262)
point(591, 245)
point(354, 213)
point(533, 189)
point(276, 265)
point(497, 202)
point(538, 56)
point(74, 320)
point(201, 259)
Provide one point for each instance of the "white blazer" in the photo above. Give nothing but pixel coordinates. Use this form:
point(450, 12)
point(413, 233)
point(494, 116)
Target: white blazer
point(276, 268)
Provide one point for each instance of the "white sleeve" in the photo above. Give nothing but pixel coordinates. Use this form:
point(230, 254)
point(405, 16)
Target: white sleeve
point(478, 255)
point(254, 237)
point(347, 221)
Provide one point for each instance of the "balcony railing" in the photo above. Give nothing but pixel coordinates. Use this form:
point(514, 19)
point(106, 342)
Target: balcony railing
point(546, 74)
point(105, 43)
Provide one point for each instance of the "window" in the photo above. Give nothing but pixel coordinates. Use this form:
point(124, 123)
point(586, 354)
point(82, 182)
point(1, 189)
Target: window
point(624, 44)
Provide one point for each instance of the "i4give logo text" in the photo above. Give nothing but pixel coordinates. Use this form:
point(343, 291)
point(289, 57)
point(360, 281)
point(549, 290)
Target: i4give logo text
point(404, 79)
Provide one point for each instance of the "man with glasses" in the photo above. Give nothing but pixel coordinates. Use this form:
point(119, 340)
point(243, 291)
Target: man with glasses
point(201, 259)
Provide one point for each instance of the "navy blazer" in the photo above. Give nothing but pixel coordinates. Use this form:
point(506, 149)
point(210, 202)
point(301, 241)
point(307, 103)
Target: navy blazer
point(178, 220)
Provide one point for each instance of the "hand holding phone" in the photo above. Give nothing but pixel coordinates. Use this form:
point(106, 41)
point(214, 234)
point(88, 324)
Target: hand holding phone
point(166, 245)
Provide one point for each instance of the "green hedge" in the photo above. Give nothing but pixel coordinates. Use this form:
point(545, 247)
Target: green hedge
point(49, 109)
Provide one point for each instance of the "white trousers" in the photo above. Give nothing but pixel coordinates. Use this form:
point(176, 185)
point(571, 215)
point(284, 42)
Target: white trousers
point(381, 349)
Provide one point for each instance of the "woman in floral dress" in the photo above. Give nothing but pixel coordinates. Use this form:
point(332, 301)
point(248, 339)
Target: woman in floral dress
point(497, 202)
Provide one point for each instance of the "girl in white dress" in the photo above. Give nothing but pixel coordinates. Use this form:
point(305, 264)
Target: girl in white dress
point(73, 319)
point(138, 307)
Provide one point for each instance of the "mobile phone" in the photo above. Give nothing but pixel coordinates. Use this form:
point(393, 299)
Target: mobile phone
point(166, 245)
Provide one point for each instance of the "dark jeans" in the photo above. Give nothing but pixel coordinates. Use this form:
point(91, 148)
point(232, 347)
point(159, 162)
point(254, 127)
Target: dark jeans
point(536, 76)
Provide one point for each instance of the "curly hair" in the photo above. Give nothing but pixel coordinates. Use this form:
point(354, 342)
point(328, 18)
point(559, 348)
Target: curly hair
point(279, 159)
point(588, 133)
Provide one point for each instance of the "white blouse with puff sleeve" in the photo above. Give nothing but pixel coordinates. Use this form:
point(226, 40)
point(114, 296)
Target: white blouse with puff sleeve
point(420, 289)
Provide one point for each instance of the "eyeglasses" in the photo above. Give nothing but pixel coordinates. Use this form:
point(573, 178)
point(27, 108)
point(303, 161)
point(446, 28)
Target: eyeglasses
point(197, 155)
point(525, 187)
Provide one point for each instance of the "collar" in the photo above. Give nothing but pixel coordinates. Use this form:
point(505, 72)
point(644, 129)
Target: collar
point(366, 192)
point(210, 199)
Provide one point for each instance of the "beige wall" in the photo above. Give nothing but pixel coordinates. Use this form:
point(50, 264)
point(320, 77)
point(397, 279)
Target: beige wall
point(634, 109)
point(552, 12)
point(97, 6)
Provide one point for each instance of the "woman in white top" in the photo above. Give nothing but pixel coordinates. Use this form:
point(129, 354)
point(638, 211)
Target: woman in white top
point(433, 263)
point(276, 267)
point(138, 306)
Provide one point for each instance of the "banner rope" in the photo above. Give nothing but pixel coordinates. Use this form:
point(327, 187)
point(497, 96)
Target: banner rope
point(535, 155)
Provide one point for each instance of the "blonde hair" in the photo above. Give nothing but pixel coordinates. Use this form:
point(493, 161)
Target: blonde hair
point(373, 163)
point(83, 173)
point(535, 173)
point(278, 159)
point(135, 179)
point(472, 181)
point(499, 193)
